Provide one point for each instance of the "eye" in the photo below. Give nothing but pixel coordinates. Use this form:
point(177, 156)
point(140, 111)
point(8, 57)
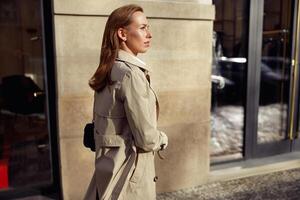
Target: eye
point(145, 27)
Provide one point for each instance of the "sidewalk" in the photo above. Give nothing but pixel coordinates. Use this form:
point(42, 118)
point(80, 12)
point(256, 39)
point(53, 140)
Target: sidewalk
point(284, 185)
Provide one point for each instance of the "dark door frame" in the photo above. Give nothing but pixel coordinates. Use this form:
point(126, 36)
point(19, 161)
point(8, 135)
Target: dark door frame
point(53, 189)
point(296, 128)
point(253, 76)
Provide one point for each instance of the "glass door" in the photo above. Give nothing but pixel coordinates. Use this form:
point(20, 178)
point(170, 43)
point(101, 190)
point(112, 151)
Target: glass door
point(255, 108)
point(229, 78)
point(277, 108)
point(294, 132)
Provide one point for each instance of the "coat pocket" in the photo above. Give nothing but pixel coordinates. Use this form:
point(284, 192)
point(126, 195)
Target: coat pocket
point(140, 167)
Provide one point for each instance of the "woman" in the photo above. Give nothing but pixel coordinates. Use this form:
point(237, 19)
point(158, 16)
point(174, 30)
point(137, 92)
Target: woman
point(125, 112)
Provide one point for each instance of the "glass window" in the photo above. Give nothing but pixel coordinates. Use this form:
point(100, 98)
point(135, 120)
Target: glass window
point(275, 71)
point(229, 79)
point(24, 138)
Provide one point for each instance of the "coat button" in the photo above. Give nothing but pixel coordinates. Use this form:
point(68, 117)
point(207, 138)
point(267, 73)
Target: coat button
point(155, 179)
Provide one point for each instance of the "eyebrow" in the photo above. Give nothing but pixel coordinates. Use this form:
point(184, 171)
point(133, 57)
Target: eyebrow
point(145, 25)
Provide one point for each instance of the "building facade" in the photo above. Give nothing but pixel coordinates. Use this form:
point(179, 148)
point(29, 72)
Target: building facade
point(226, 74)
point(180, 57)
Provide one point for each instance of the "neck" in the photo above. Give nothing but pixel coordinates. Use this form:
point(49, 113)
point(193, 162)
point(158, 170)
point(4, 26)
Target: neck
point(124, 47)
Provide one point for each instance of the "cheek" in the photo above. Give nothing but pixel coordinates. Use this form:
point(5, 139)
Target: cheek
point(138, 36)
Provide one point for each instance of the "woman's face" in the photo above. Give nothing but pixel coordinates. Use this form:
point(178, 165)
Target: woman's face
point(137, 34)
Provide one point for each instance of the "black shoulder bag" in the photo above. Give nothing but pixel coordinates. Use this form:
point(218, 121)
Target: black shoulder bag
point(88, 136)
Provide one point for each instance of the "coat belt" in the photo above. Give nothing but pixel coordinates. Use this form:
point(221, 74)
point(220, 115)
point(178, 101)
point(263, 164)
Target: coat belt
point(111, 140)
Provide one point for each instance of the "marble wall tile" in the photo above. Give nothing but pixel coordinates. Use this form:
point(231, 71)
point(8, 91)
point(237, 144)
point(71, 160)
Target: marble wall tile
point(186, 162)
point(185, 106)
point(73, 75)
point(78, 42)
point(77, 167)
point(187, 38)
point(180, 75)
point(180, 55)
point(78, 35)
point(179, 61)
point(201, 9)
point(73, 114)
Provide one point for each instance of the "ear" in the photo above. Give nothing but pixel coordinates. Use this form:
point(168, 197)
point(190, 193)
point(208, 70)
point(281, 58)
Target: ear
point(122, 34)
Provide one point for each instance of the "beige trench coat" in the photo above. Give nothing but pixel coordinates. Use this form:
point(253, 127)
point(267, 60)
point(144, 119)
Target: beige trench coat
point(126, 134)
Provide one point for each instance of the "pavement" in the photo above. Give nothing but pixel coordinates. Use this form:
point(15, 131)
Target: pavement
point(283, 185)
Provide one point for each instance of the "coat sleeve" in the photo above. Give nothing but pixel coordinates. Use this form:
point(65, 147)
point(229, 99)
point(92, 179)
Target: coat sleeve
point(136, 104)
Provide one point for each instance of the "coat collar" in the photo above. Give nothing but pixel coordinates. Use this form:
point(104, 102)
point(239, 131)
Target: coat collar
point(127, 57)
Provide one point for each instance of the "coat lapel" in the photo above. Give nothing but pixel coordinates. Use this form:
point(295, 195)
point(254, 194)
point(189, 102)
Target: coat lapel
point(131, 59)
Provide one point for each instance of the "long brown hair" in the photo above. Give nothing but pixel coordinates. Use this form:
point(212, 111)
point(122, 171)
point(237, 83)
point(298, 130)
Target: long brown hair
point(119, 18)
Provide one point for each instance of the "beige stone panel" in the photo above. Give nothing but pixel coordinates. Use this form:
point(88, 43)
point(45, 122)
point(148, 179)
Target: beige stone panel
point(184, 57)
point(187, 106)
point(78, 43)
point(184, 38)
point(78, 35)
point(87, 7)
point(186, 162)
point(171, 9)
point(77, 167)
point(181, 54)
point(73, 114)
point(181, 75)
point(189, 1)
point(181, 10)
point(73, 75)
point(172, 39)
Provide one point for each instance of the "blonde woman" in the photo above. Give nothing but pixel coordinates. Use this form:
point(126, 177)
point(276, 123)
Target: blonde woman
point(125, 112)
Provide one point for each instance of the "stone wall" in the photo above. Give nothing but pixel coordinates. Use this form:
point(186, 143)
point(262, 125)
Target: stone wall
point(181, 60)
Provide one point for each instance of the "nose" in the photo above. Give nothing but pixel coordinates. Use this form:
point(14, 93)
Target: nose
point(149, 34)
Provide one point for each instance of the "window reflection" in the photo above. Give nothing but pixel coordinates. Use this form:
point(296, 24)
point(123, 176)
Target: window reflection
point(275, 71)
point(228, 79)
point(24, 138)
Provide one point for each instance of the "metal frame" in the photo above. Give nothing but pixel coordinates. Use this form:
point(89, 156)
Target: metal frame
point(253, 77)
point(49, 52)
point(53, 189)
point(296, 141)
point(292, 114)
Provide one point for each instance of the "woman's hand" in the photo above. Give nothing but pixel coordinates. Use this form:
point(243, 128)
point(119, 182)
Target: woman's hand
point(164, 141)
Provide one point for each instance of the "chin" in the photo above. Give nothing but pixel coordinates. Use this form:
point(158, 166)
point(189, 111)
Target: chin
point(143, 50)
